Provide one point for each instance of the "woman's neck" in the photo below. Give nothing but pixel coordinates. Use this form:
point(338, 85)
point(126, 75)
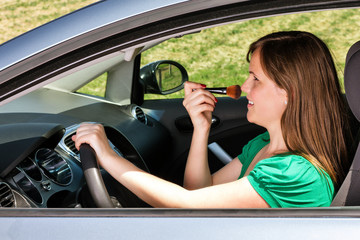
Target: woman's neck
point(277, 143)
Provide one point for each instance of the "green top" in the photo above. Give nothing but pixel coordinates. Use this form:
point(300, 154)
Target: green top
point(286, 180)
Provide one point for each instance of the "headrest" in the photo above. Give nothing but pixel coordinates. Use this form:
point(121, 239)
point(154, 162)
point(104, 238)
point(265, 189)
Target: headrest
point(352, 79)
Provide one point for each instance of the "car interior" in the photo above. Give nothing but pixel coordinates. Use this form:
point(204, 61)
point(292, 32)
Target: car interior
point(348, 194)
point(154, 134)
point(43, 169)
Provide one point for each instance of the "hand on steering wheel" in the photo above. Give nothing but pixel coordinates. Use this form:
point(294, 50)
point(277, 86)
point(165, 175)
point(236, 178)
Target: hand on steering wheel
point(93, 134)
point(93, 177)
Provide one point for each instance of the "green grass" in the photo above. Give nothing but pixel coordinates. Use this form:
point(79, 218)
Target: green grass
point(19, 16)
point(96, 87)
point(215, 57)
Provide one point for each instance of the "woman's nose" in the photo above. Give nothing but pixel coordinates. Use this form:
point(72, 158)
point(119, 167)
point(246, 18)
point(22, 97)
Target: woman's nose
point(245, 86)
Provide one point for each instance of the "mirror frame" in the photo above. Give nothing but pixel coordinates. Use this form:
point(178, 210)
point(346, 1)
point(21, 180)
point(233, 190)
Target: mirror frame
point(150, 83)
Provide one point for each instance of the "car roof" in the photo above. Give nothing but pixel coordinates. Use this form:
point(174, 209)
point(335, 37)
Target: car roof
point(95, 16)
point(104, 14)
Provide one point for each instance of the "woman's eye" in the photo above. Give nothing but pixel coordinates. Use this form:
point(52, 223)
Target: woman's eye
point(256, 79)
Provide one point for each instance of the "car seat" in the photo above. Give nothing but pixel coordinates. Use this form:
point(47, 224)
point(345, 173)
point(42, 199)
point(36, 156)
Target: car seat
point(349, 192)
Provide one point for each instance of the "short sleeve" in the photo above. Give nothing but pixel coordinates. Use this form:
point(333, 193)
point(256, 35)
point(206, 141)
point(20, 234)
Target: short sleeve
point(291, 181)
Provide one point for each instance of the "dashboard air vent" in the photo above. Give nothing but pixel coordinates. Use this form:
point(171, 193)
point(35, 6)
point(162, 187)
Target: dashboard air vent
point(6, 196)
point(71, 144)
point(139, 114)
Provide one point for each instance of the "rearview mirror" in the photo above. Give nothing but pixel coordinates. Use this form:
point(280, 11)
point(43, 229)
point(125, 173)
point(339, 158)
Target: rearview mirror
point(163, 77)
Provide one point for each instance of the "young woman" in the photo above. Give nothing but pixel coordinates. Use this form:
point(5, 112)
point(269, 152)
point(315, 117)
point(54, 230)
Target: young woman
point(293, 92)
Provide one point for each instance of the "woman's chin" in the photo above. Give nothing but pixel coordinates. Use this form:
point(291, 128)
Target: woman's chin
point(252, 119)
point(249, 117)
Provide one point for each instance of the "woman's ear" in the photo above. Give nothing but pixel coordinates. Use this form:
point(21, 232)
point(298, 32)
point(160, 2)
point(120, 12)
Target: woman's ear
point(284, 94)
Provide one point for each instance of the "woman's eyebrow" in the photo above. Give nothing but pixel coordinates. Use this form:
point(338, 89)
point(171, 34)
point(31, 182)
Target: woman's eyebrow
point(253, 73)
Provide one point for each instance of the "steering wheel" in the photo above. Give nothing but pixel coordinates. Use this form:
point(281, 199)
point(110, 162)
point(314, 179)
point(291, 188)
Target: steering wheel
point(93, 177)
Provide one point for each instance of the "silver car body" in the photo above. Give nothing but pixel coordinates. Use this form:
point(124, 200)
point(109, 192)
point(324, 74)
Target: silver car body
point(98, 23)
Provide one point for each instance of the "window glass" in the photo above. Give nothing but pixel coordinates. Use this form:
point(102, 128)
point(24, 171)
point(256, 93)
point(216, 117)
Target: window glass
point(216, 56)
point(96, 87)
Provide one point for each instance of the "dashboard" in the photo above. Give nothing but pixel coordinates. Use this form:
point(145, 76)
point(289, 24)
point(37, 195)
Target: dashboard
point(40, 166)
point(50, 176)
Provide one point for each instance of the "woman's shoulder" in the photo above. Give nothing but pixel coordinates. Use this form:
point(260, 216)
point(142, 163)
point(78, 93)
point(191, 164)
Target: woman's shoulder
point(291, 166)
point(287, 161)
point(291, 180)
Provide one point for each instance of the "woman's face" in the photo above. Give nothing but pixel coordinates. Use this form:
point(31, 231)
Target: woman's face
point(267, 101)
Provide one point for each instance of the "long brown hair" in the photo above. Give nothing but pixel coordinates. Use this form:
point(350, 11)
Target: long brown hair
point(314, 120)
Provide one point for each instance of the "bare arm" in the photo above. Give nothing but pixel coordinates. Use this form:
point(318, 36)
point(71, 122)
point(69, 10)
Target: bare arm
point(160, 193)
point(200, 105)
point(197, 173)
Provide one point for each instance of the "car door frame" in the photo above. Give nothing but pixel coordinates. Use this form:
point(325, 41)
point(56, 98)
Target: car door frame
point(165, 223)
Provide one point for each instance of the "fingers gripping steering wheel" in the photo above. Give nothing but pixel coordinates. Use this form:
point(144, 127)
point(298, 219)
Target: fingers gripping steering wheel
point(93, 177)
